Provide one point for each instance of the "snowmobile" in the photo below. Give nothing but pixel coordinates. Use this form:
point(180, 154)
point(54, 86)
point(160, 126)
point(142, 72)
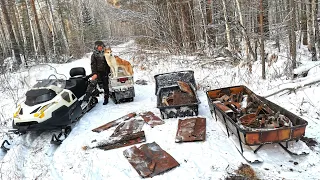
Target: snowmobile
point(53, 104)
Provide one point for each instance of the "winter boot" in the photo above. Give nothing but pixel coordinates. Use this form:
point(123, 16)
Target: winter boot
point(106, 100)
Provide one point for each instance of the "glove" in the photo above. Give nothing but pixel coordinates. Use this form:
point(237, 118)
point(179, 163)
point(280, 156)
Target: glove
point(94, 77)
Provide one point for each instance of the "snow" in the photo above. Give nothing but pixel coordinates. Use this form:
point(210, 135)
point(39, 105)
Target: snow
point(33, 157)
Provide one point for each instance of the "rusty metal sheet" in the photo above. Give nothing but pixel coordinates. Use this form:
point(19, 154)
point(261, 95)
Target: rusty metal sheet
point(298, 132)
point(114, 122)
point(128, 127)
point(149, 159)
point(122, 141)
point(151, 119)
point(177, 97)
point(185, 87)
point(192, 129)
point(127, 133)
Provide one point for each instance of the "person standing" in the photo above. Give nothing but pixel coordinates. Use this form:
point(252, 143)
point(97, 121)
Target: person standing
point(100, 68)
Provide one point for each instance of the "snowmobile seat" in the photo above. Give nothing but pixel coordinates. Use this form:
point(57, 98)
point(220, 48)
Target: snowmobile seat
point(78, 71)
point(78, 77)
point(71, 85)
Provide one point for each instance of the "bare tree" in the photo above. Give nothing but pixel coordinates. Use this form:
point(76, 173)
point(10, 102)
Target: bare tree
point(13, 41)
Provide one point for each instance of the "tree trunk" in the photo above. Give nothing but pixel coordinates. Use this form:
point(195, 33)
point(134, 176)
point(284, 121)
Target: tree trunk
point(64, 32)
point(16, 26)
point(265, 17)
point(13, 41)
point(304, 27)
point(210, 31)
point(4, 43)
point(316, 25)
point(227, 25)
point(187, 31)
point(311, 46)
point(42, 47)
point(27, 35)
point(292, 35)
point(262, 40)
point(246, 37)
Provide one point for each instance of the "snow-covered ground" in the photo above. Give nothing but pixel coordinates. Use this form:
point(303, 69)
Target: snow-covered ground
point(33, 157)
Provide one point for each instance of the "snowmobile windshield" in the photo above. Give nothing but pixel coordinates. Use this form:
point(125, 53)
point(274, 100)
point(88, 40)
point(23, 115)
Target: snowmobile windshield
point(37, 96)
point(45, 76)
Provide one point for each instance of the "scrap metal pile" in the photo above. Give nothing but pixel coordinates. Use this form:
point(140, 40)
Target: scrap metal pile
point(183, 95)
point(250, 112)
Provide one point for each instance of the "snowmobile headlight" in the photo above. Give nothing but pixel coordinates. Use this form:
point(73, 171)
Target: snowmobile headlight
point(40, 113)
point(15, 115)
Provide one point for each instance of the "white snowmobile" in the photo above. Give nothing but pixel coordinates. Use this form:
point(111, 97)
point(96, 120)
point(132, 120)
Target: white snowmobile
point(55, 104)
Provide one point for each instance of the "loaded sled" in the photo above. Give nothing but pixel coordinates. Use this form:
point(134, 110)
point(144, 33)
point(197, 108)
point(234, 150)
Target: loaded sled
point(121, 88)
point(176, 94)
point(251, 121)
point(54, 104)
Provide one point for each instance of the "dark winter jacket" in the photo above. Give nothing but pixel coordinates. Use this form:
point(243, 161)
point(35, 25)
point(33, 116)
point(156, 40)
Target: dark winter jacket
point(99, 64)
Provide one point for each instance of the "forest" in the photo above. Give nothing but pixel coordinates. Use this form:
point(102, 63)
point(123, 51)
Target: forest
point(41, 31)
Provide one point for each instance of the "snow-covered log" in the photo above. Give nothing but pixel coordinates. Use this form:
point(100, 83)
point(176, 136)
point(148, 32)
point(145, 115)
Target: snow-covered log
point(305, 68)
point(293, 86)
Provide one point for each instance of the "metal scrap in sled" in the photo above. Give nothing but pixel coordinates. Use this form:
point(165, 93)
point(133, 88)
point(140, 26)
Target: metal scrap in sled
point(250, 120)
point(176, 94)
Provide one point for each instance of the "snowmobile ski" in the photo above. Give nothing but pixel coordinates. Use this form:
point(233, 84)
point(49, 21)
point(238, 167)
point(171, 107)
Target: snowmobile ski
point(3, 145)
point(57, 140)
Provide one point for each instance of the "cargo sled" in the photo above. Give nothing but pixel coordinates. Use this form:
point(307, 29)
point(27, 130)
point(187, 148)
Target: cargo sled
point(252, 121)
point(121, 88)
point(172, 101)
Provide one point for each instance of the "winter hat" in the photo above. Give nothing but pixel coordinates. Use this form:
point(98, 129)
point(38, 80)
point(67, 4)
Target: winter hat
point(98, 43)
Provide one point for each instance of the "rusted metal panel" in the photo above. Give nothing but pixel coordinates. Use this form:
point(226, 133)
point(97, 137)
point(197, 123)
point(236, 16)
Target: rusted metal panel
point(185, 87)
point(122, 141)
point(298, 132)
point(149, 159)
point(151, 119)
point(284, 134)
point(128, 127)
point(192, 129)
point(114, 122)
point(127, 133)
point(253, 138)
point(223, 107)
point(177, 97)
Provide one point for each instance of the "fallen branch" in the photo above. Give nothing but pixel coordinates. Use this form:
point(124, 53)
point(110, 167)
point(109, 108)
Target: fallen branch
point(295, 86)
point(305, 68)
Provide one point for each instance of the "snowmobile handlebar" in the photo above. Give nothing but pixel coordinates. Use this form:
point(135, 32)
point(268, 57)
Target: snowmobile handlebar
point(89, 76)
